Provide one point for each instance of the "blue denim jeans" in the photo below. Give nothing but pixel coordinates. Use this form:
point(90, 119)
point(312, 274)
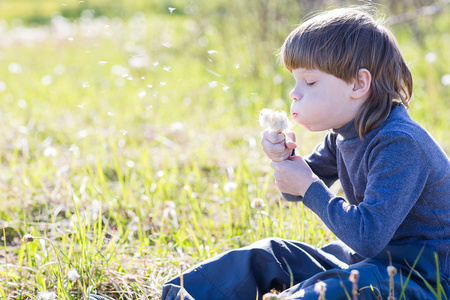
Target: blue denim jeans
point(295, 268)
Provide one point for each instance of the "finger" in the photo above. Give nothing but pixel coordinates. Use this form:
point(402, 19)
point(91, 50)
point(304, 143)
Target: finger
point(273, 136)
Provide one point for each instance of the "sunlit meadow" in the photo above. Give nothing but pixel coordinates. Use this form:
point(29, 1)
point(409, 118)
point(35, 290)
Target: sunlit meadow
point(130, 140)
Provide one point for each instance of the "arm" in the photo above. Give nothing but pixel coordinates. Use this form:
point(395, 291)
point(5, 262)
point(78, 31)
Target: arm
point(397, 173)
point(322, 162)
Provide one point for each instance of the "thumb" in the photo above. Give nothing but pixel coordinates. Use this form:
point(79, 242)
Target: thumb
point(290, 140)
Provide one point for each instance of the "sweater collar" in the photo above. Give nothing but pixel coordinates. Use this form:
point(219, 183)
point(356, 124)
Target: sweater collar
point(348, 131)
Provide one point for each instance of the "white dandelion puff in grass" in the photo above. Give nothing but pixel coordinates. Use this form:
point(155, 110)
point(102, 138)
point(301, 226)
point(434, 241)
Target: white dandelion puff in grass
point(166, 68)
point(14, 68)
point(155, 63)
point(142, 94)
point(225, 88)
point(237, 66)
point(213, 84)
point(446, 79)
point(47, 296)
point(123, 131)
point(274, 120)
point(258, 204)
point(162, 83)
point(171, 9)
point(229, 186)
point(73, 275)
point(85, 85)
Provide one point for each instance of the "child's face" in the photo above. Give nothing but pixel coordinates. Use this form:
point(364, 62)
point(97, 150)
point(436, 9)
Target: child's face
point(322, 101)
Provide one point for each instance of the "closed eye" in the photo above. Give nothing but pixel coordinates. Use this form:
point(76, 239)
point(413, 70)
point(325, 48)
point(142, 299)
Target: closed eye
point(311, 83)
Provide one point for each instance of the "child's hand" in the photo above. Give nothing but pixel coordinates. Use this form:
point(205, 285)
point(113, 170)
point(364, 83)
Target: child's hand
point(293, 176)
point(278, 146)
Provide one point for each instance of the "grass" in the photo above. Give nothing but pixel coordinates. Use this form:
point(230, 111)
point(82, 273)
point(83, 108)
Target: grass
point(122, 173)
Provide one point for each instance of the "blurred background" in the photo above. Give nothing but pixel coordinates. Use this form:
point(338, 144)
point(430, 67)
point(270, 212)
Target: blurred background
point(130, 136)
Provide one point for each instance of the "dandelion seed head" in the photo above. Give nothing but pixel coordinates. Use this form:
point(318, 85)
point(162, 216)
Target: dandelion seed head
point(47, 296)
point(130, 164)
point(274, 120)
point(15, 68)
point(229, 186)
point(320, 287)
point(446, 79)
point(73, 275)
point(391, 270)
point(270, 296)
point(431, 57)
point(354, 276)
point(258, 203)
point(28, 238)
point(47, 79)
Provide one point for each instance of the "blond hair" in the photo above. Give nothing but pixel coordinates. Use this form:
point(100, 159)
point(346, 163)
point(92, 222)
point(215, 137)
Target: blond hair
point(343, 41)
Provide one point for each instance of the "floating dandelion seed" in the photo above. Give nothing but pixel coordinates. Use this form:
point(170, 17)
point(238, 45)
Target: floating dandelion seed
point(213, 84)
point(81, 105)
point(162, 83)
point(211, 52)
point(167, 45)
point(50, 152)
point(123, 131)
point(237, 66)
point(171, 9)
point(166, 68)
point(85, 85)
point(110, 114)
point(155, 63)
point(149, 86)
point(148, 107)
point(142, 94)
point(70, 39)
point(102, 62)
point(225, 88)
point(73, 275)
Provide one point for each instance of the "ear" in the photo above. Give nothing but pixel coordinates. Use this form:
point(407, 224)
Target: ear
point(362, 84)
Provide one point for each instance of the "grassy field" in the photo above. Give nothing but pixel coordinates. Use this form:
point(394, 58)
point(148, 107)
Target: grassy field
point(130, 136)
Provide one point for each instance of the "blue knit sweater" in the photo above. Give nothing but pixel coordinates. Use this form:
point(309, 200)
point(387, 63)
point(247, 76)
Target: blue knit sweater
point(396, 182)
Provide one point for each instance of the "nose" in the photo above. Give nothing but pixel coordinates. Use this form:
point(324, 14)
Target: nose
point(295, 94)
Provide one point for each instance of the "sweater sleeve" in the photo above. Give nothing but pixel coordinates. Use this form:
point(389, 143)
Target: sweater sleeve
point(396, 175)
point(322, 162)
